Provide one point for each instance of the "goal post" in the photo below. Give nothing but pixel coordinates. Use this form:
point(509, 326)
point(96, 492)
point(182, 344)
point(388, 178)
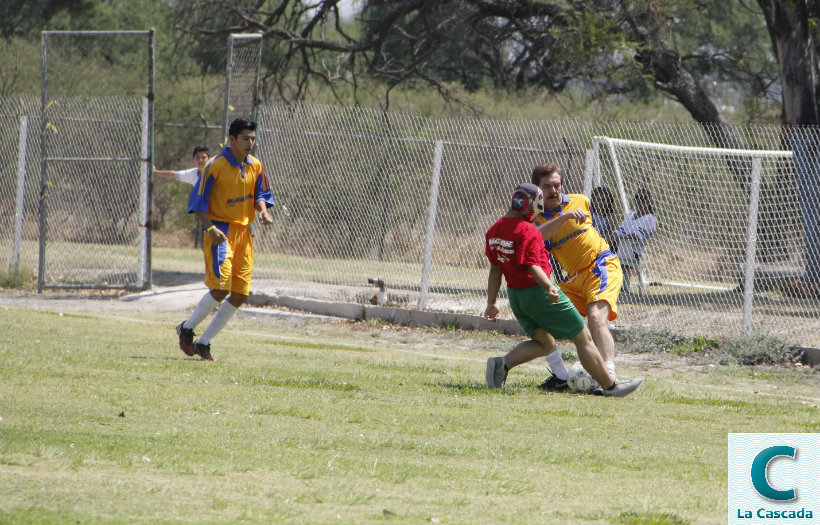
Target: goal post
point(707, 202)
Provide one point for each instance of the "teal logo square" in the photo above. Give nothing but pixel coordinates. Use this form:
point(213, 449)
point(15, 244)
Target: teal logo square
point(774, 478)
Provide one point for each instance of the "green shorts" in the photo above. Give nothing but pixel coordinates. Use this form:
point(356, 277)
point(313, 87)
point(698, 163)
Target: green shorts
point(533, 309)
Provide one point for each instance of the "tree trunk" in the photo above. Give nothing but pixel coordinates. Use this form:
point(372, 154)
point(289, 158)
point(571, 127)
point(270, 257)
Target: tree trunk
point(789, 22)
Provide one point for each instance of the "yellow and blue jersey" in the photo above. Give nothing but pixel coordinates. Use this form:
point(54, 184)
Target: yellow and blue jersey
point(228, 189)
point(574, 245)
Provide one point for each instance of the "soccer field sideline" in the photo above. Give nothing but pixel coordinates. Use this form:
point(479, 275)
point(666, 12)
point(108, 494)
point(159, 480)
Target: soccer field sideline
point(392, 348)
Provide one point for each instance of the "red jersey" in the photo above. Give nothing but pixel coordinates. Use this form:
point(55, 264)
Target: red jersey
point(512, 244)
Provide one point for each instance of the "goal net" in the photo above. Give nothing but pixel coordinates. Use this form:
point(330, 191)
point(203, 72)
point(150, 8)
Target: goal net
point(729, 232)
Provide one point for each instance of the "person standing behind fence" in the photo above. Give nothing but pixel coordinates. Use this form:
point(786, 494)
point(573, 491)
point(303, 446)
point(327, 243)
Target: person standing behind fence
point(635, 231)
point(231, 188)
point(594, 275)
point(516, 251)
point(200, 159)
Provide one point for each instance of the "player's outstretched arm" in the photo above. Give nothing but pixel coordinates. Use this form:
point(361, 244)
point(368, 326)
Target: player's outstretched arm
point(549, 228)
point(165, 174)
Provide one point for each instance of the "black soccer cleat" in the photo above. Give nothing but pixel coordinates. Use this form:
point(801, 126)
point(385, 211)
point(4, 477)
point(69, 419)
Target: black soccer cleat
point(553, 384)
point(203, 351)
point(186, 339)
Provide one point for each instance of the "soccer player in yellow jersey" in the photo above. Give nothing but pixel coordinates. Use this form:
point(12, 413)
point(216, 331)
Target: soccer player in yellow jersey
point(232, 186)
point(594, 275)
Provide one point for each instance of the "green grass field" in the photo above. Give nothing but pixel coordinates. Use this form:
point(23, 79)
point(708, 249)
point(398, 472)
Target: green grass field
point(104, 420)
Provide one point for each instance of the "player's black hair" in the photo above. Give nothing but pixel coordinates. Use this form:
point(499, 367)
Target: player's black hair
point(602, 195)
point(199, 149)
point(643, 195)
point(239, 125)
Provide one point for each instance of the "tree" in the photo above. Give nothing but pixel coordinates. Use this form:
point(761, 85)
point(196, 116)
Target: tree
point(606, 47)
point(21, 18)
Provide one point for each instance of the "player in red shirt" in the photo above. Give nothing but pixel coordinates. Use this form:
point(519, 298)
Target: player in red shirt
point(516, 250)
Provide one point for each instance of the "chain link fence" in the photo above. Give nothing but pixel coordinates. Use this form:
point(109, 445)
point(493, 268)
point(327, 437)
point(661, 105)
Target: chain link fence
point(95, 158)
point(365, 195)
point(19, 183)
point(407, 199)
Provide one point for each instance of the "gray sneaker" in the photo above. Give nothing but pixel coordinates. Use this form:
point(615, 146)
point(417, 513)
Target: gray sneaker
point(496, 375)
point(621, 388)
point(553, 384)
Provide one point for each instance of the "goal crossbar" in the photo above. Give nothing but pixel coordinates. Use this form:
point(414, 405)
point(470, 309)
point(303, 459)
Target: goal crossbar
point(679, 156)
point(697, 150)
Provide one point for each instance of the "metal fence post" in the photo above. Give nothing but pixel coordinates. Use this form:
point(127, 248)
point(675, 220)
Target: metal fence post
point(22, 149)
point(144, 214)
point(590, 169)
point(751, 247)
point(41, 258)
point(148, 151)
point(431, 225)
point(223, 139)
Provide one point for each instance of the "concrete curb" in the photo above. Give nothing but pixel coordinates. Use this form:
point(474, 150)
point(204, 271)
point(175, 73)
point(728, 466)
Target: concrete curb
point(408, 317)
point(400, 316)
point(162, 291)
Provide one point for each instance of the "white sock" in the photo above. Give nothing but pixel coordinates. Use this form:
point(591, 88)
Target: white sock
point(610, 366)
point(556, 363)
point(206, 306)
point(223, 315)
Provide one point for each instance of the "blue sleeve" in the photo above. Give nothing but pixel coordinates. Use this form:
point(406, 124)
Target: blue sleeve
point(647, 227)
point(620, 231)
point(262, 191)
point(201, 194)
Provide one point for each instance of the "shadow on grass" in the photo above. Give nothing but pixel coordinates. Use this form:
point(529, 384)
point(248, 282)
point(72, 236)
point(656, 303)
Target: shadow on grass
point(481, 387)
point(167, 358)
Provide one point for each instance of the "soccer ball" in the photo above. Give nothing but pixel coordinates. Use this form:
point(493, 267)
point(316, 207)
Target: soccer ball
point(580, 381)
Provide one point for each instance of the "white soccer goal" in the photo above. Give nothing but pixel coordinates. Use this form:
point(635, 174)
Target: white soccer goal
point(712, 207)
